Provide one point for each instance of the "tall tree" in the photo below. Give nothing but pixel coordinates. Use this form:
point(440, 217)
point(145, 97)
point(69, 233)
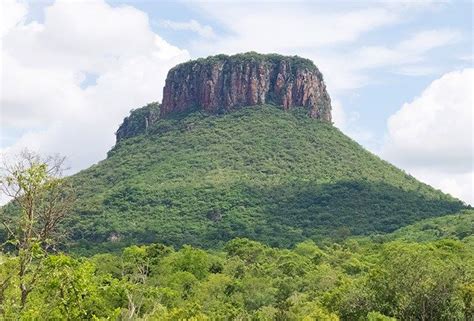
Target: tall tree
point(40, 200)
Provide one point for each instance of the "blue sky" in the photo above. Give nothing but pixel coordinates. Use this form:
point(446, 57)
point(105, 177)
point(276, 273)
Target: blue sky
point(71, 70)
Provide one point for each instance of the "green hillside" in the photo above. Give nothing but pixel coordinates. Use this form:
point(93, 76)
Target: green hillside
point(457, 226)
point(274, 176)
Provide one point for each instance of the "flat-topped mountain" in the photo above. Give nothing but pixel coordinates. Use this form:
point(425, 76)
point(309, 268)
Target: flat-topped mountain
point(220, 84)
point(231, 152)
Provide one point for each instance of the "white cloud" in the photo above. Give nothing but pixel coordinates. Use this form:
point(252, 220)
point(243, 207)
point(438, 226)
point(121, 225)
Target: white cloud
point(307, 29)
point(12, 13)
point(459, 185)
point(45, 64)
point(417, 70)
point(351, 69)
point(286, 27)
point(467, 58)
point(408, 51)
point(429, 39)
point(432, 136)
point(331, 36)
point(191, 25)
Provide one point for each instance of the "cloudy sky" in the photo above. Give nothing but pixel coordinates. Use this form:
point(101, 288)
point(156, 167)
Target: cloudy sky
point(400, 73)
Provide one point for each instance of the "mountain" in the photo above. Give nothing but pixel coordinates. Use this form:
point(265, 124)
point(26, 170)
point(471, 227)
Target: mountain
point(221, 84)
point(242, 146)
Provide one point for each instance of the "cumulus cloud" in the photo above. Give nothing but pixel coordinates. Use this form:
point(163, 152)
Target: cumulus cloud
point(432, 136)
point(46, 96)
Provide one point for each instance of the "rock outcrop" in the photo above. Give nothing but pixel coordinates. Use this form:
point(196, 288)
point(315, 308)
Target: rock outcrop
point(222, 83)
point(138, 122)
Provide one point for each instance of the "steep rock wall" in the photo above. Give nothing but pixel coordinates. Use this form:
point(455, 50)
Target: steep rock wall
point(222, 83)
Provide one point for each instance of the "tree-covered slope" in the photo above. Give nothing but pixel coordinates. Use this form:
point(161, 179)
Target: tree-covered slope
point(259, 172)
point(456, 226)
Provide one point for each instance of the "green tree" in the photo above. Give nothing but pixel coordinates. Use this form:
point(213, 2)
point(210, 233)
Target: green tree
point(70, 289)
point(421, 281)
point(137, 265)
point(40, 200)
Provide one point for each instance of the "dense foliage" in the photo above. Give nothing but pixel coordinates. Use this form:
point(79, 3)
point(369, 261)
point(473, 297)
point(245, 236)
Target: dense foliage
point(274, 176)
point(280, 178)
point(249, 57)
point(247, 280)
point(458, 226)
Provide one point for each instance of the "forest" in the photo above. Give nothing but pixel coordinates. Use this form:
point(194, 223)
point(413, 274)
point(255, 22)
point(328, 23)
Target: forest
point(274, 176)
point(420, 272)
point(225, 231)
point(357, 279)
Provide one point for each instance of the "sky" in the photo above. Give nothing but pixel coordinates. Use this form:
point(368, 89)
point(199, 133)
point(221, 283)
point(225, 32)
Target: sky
point(400, 73)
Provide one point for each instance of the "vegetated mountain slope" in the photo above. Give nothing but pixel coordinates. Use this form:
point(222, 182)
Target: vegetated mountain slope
point(456, 226)
point(260, 172)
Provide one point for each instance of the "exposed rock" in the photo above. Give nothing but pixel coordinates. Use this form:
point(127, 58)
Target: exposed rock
point(114, 237)
point(138, 122)
point(222, 83)
point(214, 215)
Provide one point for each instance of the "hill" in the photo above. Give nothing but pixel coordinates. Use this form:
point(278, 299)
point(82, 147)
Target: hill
point(457, 226)
point(242, 146)
point(260, 172)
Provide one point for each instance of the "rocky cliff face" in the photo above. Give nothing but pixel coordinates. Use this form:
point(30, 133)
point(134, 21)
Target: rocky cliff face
point(222, 83)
